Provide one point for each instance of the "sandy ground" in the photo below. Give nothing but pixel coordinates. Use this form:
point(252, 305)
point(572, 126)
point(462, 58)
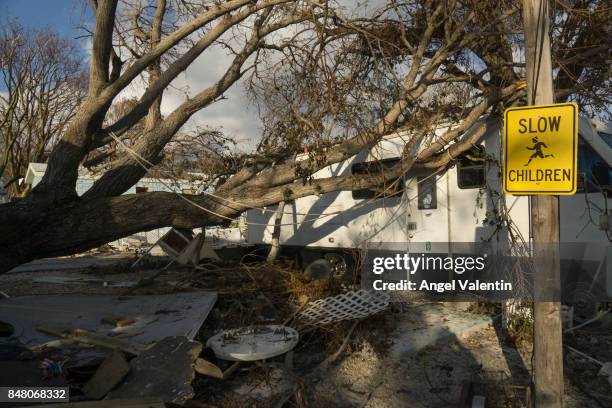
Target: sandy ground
point(372, 375)
point(434, 377)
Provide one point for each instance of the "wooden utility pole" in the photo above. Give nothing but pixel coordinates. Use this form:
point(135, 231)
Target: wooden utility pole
point(548, 347)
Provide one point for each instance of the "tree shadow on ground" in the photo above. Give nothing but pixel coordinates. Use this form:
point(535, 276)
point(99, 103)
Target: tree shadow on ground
point(406, 375)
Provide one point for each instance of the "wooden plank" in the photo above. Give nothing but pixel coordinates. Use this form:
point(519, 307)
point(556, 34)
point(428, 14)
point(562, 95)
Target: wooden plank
point(95, 339)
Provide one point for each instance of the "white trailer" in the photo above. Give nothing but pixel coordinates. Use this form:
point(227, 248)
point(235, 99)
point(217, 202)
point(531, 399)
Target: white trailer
point(460, 204)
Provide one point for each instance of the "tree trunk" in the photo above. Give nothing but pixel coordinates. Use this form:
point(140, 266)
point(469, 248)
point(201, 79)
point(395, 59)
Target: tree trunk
point(35, 227)
point(34, 231)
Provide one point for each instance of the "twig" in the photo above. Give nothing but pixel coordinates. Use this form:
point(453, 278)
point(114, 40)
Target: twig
point(148, 281)
point(580, 353)
point(599, 316)
point(331, 359)
point(369, 396)
point(294, 314)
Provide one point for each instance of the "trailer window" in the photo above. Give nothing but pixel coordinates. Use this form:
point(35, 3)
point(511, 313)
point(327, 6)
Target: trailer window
point(594, 173)
point(471, 169)
point(393, 188)
point(607, 137)
point(427, 192)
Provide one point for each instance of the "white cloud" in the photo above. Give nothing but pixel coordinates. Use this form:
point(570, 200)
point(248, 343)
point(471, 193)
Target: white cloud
point(86, 44)
point(234, 114)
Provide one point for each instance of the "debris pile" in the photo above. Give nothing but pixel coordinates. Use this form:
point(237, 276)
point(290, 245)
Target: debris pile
point(208, 324)
point(222, 335)
point(104, 347)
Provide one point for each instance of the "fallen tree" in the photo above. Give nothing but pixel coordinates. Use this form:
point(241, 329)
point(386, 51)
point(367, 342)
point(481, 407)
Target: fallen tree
point(333, 82)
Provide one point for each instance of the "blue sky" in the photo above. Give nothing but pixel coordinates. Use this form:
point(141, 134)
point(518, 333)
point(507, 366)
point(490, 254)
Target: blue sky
point(64, 16)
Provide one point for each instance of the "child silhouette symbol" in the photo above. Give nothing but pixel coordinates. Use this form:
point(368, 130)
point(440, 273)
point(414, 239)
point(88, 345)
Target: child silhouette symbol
point(537, 148)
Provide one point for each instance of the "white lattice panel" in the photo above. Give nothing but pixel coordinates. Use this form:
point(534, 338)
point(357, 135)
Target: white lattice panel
point(346, 306)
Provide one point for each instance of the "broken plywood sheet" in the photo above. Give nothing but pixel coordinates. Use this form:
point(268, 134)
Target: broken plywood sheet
point(111, 372)
point(60, 264)
point(154, 317)
point(64, 280)
point(164, 371)
point(124, 403)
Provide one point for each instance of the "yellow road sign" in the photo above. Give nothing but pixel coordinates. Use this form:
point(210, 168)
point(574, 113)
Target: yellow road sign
point(541, 149)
